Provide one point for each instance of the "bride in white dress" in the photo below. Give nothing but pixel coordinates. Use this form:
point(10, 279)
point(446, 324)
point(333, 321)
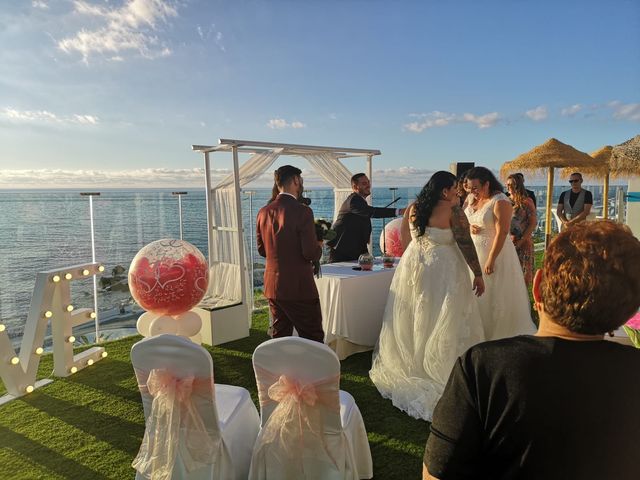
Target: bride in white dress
point(432, 315)
point(505, 308)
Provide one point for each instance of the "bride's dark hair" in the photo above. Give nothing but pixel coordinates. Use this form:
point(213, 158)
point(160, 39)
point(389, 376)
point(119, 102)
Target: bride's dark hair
point(428, 198)
point(485, 175)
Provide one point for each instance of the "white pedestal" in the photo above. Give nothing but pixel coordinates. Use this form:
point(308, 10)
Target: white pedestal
point(224, 324)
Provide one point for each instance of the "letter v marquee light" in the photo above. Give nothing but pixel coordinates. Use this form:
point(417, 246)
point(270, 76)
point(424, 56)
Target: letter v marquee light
point(51, 302)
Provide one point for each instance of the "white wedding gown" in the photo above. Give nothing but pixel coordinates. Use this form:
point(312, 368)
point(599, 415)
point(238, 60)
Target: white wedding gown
point(504, 307)
point(431, 318)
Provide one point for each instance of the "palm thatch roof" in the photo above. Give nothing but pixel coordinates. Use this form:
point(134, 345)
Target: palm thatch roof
point(602, 155)
point(625, 158)
point(551, 153)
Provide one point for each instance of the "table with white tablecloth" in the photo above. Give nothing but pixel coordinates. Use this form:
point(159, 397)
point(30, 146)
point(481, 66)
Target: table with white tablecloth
point(352, 305)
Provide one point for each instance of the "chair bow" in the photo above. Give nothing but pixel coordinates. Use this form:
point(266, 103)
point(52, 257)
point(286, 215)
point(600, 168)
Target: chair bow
point(174, 425)
point(286, 387)
point(298, 413)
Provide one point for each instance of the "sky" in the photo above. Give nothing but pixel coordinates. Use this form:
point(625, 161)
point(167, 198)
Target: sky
point(114, 93)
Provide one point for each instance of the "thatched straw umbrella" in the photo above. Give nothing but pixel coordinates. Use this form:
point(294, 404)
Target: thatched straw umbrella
point(602, 170)
point(625, 158)
point(551, 154)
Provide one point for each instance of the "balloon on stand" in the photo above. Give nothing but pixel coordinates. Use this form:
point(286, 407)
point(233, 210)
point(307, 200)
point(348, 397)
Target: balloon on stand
point(163, 324)
point(391, 240)
point(168, 277)
point(144, 322)
point(189, 324)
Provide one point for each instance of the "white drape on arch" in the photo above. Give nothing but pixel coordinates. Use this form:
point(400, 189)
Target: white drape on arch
point(224, 259)
point(224, 284)
point(333, 171)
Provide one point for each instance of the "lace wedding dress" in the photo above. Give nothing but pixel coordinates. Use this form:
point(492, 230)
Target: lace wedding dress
point(431, 318)
point(504, 307)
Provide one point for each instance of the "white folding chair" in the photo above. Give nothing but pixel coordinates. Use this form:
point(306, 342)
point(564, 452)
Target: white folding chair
point(339, 449)
point(227, 412)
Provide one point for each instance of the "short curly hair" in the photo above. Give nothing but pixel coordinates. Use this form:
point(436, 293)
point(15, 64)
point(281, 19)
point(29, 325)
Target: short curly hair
point(591, 277)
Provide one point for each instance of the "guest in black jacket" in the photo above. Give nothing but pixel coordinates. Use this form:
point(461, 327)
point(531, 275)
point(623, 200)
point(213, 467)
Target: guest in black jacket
point(353, 226)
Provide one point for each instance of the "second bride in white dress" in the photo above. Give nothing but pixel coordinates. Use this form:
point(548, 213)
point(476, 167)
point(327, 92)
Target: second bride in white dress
point(432, 315)
point(505, 308)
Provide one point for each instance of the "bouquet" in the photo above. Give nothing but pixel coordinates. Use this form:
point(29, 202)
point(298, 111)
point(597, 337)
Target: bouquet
point(323, 233)
point(632, 329)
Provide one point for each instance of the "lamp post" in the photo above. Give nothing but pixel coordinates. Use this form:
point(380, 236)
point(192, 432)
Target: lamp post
point(93, 259)
point(179, 195)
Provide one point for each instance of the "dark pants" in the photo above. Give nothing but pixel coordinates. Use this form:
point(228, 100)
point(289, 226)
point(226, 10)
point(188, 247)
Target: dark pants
point(304, 315)
point(336, 256)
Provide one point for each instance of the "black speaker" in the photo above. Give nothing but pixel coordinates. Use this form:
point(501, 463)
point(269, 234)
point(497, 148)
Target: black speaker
point(460, 168)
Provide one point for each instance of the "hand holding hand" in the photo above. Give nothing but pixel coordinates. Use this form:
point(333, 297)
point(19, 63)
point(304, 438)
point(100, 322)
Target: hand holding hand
point(476, 229)
point(478, 286)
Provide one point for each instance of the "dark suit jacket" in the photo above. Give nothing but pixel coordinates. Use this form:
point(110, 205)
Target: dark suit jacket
point(353, 226)
point(286, 236)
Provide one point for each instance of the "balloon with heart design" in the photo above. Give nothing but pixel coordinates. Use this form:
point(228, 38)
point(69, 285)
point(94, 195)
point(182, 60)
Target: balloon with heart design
point(168, 277)
point(391, 241)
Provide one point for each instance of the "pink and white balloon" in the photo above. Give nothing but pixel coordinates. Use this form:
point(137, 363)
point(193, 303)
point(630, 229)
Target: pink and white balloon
point(168, 278)
point(391, 240)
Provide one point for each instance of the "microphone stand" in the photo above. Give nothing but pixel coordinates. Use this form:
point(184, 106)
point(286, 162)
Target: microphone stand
point(384, 226)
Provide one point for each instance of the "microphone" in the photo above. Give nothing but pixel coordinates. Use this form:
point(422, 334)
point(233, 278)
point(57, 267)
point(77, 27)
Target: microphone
point(389, 204)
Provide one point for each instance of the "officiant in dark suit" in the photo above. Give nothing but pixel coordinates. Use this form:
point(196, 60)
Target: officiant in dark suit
point(353, 225)
point(286, 237)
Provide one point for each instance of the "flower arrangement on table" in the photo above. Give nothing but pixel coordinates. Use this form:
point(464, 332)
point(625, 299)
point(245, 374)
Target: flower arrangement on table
point(632, 329)
point(323, 233)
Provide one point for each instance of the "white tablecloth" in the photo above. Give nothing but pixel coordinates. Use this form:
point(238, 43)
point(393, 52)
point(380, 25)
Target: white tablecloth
point(352, 305)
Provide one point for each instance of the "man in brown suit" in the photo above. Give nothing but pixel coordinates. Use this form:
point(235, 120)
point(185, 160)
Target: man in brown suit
point(286, 237)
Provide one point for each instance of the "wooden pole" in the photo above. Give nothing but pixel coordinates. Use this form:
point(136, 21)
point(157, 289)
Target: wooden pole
point(605, 197)
point(547, 223)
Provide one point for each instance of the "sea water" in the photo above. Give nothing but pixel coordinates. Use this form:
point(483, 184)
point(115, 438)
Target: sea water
point(42, 230)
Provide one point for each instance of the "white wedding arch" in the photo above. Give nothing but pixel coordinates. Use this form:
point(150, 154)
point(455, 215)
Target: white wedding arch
point(226, 309)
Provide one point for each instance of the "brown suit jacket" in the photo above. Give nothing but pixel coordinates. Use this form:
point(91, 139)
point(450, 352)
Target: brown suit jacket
point(286, 237)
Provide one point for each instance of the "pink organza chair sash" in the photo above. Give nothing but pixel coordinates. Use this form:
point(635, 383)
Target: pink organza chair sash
point(299, 412)
point(174, 425)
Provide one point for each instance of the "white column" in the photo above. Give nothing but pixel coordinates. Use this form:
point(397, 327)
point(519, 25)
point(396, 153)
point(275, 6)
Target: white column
point(207, 177)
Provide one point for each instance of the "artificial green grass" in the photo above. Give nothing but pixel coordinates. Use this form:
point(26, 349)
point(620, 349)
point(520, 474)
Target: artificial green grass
point(90, 425)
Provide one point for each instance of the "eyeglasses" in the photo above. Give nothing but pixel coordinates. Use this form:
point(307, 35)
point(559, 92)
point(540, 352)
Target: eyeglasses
point(574, 181)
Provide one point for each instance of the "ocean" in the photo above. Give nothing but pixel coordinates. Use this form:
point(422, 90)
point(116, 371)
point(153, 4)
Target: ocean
point(42, 230)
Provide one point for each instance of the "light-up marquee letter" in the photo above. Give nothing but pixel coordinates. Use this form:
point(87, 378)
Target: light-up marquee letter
point(51, 302)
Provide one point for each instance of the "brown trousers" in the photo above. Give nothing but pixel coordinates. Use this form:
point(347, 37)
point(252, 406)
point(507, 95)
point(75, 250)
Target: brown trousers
point(304, 315)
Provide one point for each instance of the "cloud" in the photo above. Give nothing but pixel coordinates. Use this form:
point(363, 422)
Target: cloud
point(625, 111)
point(45, 117)
point(441, 119)
point(538, 114)
point(140, 178)
point(39, 4)
point(281, 123)
point(183, 177)
point(483, 121)
point(572, 110)
point(212, 32)
point(127, 29)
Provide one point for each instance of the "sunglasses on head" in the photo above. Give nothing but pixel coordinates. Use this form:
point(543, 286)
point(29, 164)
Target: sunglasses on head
point(574, 181)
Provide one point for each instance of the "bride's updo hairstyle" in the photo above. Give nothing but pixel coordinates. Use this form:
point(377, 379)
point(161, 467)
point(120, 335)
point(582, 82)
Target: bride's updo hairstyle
point(428, 198)
point(485, 175)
